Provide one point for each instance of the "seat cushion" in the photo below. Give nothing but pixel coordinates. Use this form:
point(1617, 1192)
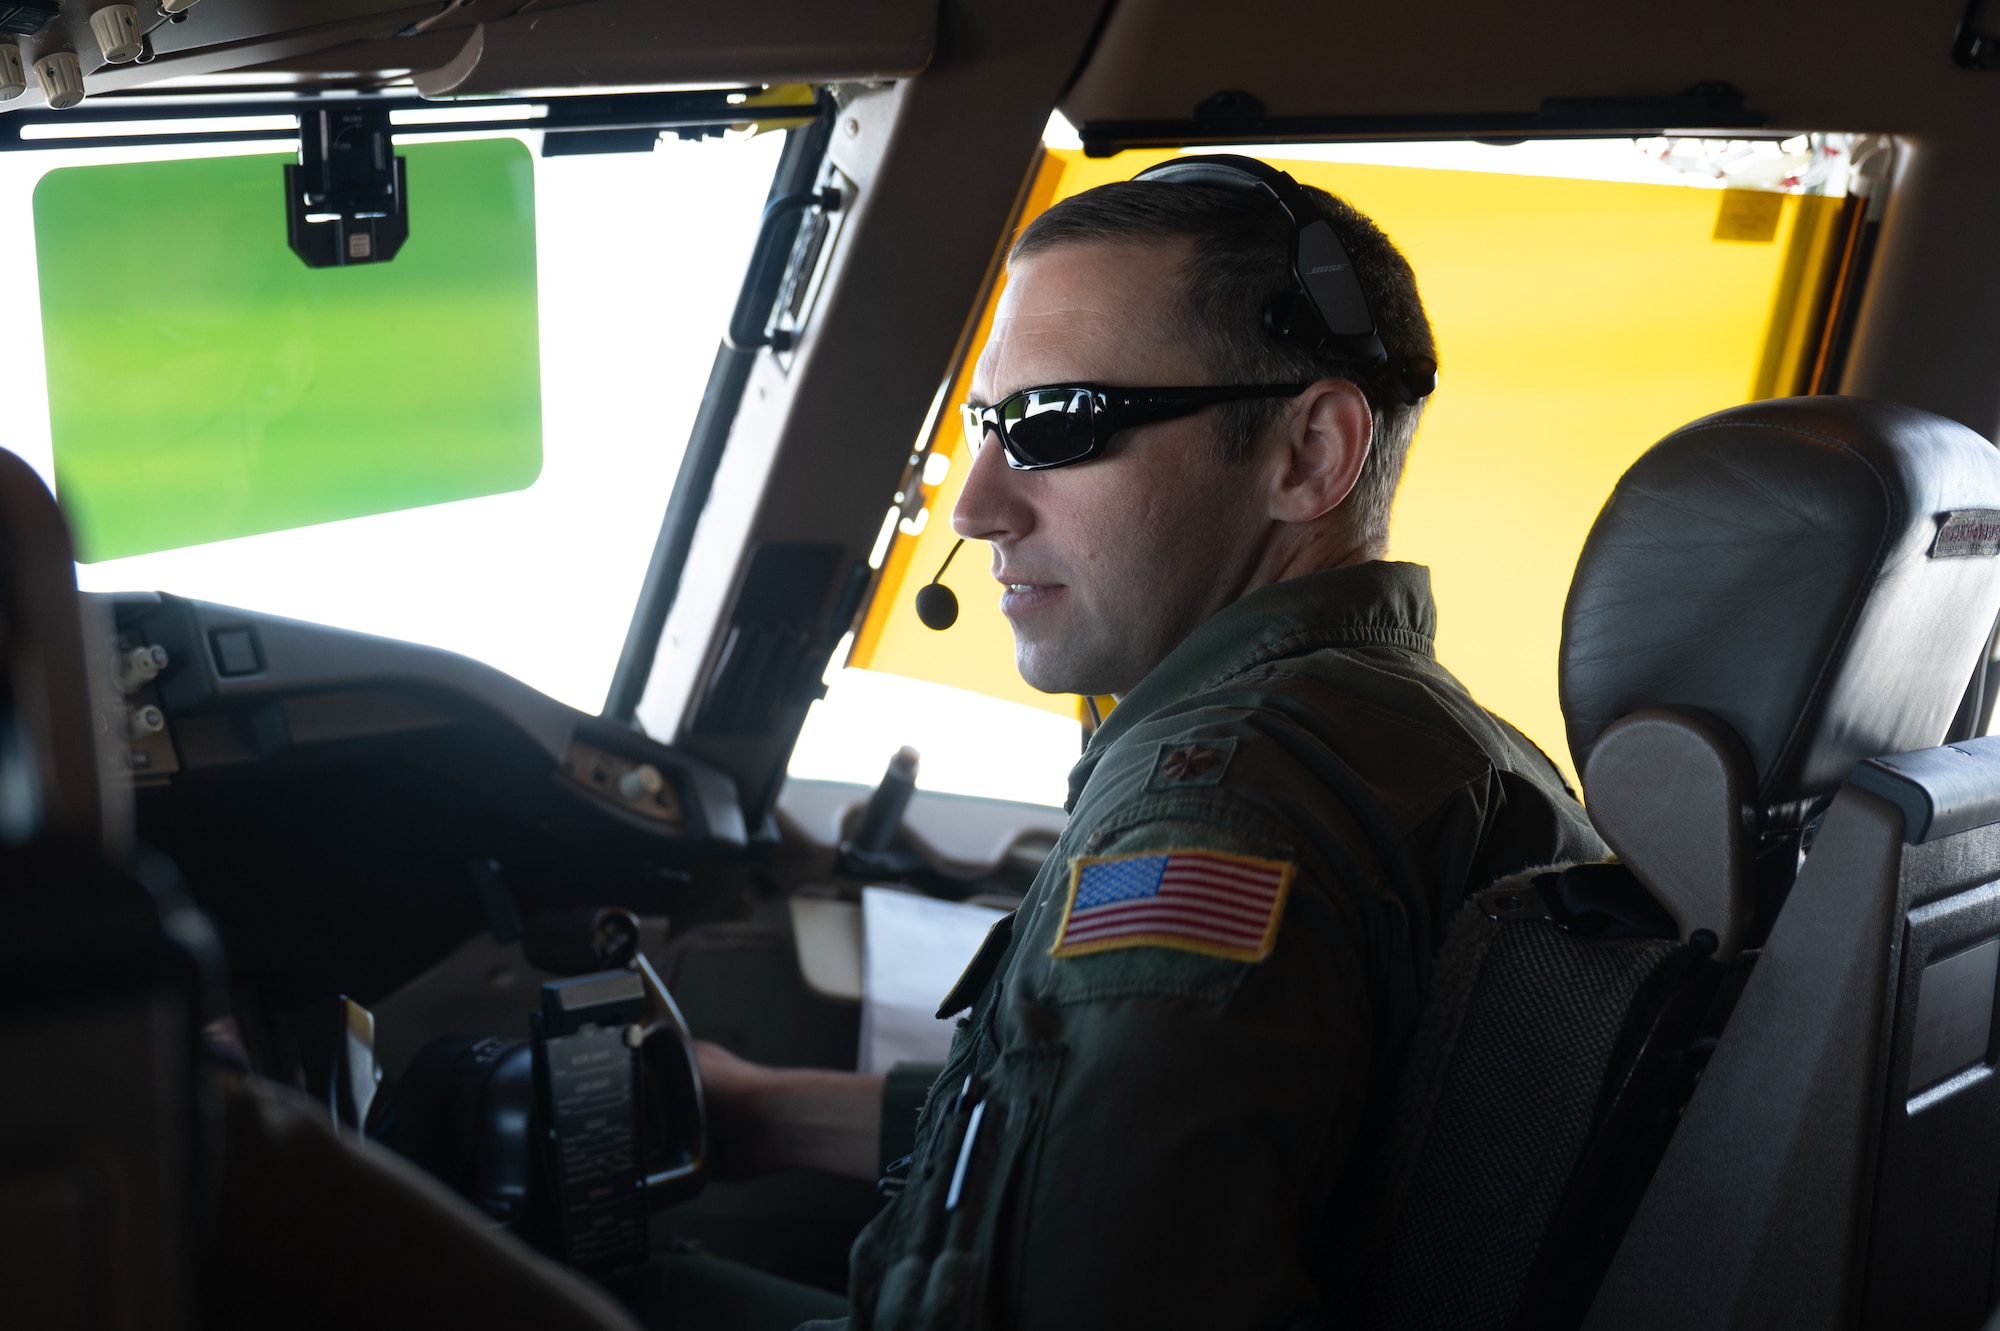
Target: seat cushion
point(1507, 1076)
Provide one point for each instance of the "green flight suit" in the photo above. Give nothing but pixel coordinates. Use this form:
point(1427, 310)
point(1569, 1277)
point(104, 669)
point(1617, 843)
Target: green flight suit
point(1162, 1132)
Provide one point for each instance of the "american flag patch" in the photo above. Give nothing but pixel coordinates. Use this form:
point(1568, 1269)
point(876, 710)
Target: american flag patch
point(1195, 900)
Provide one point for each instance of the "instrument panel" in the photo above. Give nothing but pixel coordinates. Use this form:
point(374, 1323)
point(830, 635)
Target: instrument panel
point(342, 804)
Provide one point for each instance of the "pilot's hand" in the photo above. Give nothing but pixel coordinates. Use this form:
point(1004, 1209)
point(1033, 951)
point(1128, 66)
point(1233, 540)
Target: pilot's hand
point(762, 1119)
point(732, 1090)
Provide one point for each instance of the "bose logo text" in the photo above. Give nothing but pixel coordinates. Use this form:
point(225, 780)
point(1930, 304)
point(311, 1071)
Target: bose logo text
point(1325, 268)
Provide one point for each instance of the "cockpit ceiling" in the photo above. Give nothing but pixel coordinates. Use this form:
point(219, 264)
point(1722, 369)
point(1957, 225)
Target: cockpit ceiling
point(466, 47)
point(1806, 64)
point(1821, 64)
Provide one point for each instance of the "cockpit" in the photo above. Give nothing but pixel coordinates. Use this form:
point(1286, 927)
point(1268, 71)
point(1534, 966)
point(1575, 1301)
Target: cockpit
point(470, 472)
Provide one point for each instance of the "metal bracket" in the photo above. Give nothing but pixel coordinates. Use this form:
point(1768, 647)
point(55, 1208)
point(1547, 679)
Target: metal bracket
point(346, 201)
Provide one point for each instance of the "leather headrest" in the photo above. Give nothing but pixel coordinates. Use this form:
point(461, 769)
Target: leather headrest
point(1820, 573)
point(52, 748)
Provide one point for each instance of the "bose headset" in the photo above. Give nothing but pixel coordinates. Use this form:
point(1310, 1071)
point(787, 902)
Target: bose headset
point(1326, 312)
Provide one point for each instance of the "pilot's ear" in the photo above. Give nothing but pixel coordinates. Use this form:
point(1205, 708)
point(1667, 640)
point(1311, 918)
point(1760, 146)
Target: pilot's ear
point(1325, 436)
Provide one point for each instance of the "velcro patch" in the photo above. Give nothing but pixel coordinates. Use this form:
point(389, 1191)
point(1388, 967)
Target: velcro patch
point(1191, 763)
point(1967, 533)
point(1205, 901)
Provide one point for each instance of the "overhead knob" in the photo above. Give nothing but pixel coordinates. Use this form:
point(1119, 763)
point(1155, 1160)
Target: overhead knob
point(61, 77)
point(13, 74)
point(116, 28)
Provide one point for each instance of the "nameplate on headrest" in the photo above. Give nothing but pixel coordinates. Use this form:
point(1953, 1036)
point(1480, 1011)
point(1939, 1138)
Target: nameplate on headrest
point(1967, 533)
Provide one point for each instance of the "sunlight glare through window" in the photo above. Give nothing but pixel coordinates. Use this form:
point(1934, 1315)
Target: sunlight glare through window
point(970, 744)
point(639, 258)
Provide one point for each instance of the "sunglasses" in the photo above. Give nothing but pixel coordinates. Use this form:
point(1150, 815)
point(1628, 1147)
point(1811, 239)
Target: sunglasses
point(1060, 425)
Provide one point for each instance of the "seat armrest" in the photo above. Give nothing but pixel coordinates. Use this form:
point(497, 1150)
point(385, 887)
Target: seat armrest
point(1940, 791)
point(1670, 789)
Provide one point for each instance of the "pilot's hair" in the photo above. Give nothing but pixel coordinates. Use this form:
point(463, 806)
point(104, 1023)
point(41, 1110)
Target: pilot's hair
point(1240, 263)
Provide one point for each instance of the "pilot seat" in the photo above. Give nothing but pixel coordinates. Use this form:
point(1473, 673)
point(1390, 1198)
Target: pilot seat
point(1742, 1076)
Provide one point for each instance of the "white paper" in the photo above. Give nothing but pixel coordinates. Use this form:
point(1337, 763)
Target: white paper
point(913, 949)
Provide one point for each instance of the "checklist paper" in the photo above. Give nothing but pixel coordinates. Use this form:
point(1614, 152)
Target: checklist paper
point(913, 949)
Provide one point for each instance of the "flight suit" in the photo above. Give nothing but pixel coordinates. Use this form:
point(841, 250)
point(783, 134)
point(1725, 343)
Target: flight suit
point(1150, 1113)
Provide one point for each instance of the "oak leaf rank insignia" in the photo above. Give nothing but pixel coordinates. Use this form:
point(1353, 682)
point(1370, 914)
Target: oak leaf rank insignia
point(1183, 763)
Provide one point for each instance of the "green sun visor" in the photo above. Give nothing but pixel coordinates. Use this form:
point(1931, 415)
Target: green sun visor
point(204, 383)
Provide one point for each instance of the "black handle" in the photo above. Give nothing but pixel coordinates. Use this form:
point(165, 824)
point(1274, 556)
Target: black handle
point(748, 328)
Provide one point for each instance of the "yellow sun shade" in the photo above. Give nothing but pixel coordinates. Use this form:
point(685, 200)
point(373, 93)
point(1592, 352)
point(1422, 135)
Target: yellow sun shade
point(1577, 322)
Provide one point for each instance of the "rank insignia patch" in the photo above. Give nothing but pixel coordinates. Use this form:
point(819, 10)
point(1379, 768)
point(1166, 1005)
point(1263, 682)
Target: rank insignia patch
point(1191, 763)
point(1195, 900)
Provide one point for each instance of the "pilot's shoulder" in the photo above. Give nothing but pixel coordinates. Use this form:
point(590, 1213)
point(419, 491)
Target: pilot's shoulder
point(1384, 728)
point(1279, 754)
point(1336, 769)
point(1357, 697)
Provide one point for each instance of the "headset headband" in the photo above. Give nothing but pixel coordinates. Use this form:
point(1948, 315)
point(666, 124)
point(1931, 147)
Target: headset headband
point(1326, 312)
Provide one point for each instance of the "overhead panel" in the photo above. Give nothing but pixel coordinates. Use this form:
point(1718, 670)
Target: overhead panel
point(611, 43)
point(1835, 64)
point(458, 47)
point(210, 38)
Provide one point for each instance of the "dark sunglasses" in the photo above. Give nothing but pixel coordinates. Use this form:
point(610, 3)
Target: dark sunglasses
point(1060, 425)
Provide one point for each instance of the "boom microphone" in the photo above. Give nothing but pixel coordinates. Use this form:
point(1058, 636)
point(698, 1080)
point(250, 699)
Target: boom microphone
point(937, 606)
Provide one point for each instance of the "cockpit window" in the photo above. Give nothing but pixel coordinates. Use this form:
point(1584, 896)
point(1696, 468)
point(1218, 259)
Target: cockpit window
point(536, 395)
point(1588, 297)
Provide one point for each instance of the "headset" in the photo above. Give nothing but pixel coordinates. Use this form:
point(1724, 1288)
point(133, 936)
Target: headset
point(1326, 313)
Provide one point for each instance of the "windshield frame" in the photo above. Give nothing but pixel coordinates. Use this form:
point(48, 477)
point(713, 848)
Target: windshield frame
point(798, 167)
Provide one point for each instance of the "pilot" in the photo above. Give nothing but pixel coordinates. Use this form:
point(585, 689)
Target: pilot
point(1170, 1060)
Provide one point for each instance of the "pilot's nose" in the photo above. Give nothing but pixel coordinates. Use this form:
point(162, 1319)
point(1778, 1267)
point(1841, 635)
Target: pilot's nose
point(993, 505)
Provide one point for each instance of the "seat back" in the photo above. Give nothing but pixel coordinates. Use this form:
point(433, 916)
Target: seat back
point(1771, 595)
point(1492, 1116)
point(138, 1190)
point(1839, 1164)
point(100, 982)
point(1869, 534)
